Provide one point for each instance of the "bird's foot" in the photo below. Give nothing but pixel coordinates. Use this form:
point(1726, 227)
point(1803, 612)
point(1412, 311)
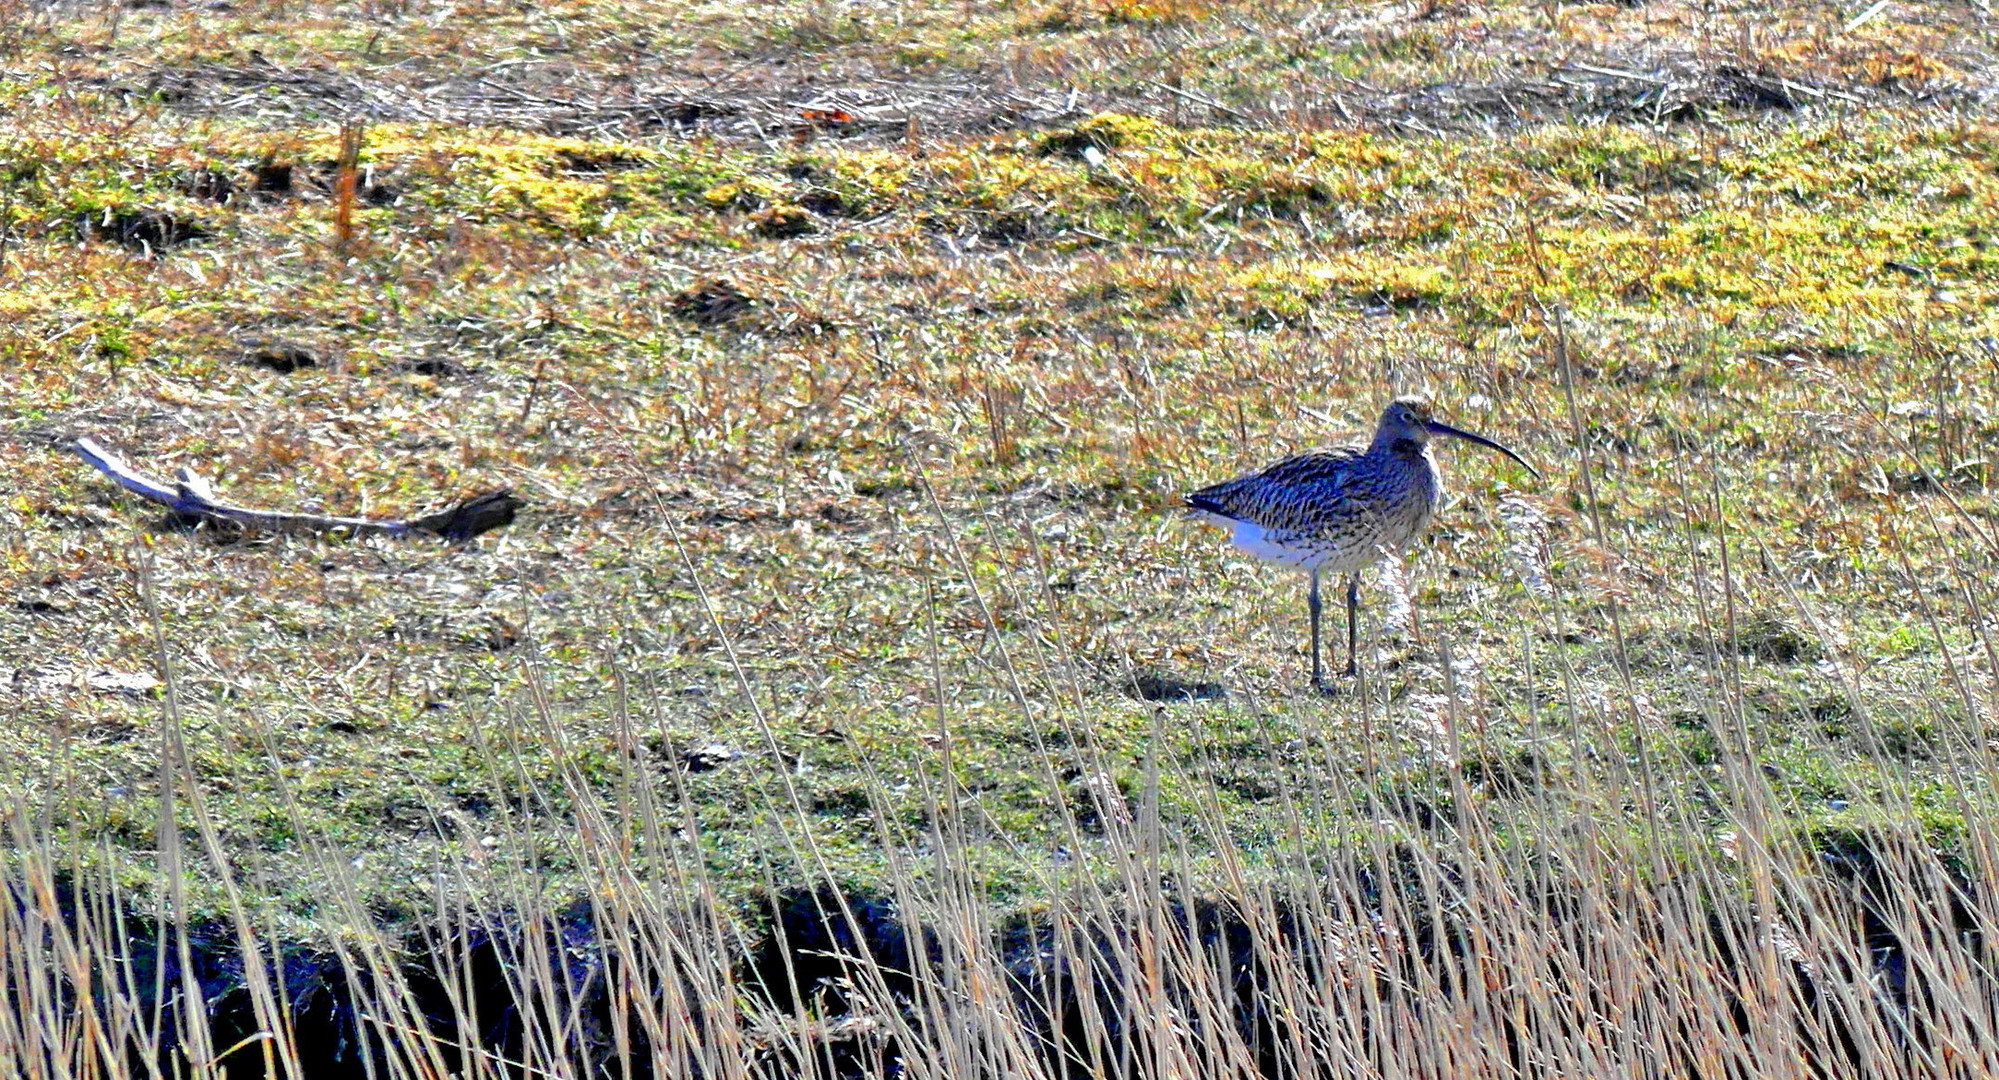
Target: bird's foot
point(1339, 687)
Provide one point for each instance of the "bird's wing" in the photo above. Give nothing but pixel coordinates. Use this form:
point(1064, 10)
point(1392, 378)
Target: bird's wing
point(1314, 467)
point(1297, 494)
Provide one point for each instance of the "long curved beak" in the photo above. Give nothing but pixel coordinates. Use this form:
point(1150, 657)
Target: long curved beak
point(1438, 427)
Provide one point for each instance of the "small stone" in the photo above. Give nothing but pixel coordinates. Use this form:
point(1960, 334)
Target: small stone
point(709, 757)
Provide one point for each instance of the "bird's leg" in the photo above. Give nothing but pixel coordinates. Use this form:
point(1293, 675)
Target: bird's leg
point(1312, 607)
point(1353, 633)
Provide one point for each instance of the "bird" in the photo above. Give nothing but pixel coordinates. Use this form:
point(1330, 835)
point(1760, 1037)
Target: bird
point(1339, 510)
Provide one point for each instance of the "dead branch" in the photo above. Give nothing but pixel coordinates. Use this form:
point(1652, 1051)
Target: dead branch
point(192, 499)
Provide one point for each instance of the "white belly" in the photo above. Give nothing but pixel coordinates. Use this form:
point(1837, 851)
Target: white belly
point(1288, 549)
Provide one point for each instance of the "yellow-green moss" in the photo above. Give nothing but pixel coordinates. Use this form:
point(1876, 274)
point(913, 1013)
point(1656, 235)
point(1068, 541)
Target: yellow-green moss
point(1110, 131)
point(749, 193)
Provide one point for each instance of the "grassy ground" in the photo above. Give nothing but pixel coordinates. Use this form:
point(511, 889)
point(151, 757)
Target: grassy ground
point(851, 409)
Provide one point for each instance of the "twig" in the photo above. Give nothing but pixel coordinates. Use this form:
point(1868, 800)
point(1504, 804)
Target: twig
point(191, 497)
point(1416, 125)
point(1618, 73)
point(1821, 91)
point(525, 96)
point(1864, 17)
point(1201, 99)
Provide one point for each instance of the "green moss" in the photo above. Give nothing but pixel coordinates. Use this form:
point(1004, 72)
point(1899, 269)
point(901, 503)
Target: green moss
point(867, 182)
point(1109, 131)
point(750, 193)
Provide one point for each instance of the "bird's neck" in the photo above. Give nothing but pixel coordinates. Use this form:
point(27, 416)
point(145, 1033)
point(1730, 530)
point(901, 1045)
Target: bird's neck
point(1403, 447)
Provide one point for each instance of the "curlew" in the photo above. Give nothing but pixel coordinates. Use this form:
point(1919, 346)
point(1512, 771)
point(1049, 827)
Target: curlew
point(1339, 510)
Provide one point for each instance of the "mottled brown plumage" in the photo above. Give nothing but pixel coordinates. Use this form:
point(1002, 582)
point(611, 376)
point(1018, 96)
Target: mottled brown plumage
point(1342, 509)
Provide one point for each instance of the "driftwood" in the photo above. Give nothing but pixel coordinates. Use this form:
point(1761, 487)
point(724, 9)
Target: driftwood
point(192, 499)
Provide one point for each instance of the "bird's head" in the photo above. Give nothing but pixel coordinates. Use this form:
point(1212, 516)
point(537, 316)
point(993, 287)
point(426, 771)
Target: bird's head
point(1408, 420)
point(1407, 417)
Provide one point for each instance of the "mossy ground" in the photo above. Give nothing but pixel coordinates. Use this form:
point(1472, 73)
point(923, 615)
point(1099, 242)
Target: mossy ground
point(843, 454)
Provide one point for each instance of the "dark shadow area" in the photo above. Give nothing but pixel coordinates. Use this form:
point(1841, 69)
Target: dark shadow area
point(845, 977)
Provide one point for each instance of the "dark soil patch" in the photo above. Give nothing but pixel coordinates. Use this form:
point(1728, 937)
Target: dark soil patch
point(1765, 637)
point(208, 185)
point(1776, 640)
point(711, 302)
point(283, 357)
point(1152, 685)
point(437, 367)
point(783, 220)
point(143, 230)
point(273, 179)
